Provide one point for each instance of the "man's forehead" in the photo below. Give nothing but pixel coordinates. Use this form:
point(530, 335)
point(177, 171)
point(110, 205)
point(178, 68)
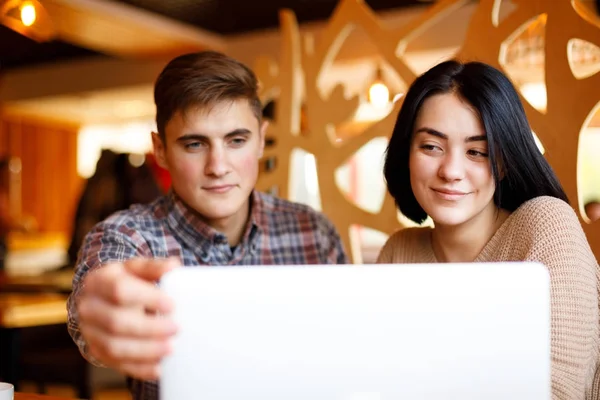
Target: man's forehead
point(241, 105)
point(216, 120)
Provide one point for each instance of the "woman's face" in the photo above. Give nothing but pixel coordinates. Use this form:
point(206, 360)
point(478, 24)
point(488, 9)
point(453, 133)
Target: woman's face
point(450, 172)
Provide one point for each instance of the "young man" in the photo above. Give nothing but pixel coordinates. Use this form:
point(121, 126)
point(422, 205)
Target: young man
point(210, 138)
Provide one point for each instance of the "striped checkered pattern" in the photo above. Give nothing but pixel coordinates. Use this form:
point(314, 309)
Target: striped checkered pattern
point(279, 232)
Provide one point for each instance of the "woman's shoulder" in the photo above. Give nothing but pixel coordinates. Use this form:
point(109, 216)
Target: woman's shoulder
point(407, 245)
point(546, 213)
point(546, 203)
point(550, 229)
point(410, 234)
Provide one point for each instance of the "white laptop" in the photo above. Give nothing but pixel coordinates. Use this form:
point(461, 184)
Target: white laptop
point(360, 332)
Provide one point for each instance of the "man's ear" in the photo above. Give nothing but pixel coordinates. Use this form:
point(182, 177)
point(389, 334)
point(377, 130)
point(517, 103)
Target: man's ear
point(159, 150)
point(264, 125)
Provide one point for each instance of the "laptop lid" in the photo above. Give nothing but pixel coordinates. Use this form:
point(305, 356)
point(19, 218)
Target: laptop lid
point(368, 332)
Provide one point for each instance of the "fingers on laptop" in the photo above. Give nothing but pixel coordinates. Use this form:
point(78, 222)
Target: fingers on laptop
point(131, 322)
point(118, 317)
point(121, 284)
point(151, 269)
point(120, 350)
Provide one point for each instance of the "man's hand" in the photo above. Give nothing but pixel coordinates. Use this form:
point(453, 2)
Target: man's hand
point(119, 317)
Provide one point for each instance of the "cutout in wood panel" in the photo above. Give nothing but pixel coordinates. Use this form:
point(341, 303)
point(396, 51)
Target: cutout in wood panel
point(502, 9)
point(439, 22)
point(523, 59)
point(584, 58)
point(588, 163)
point(361, 177)
point(304, 180)
point(538, 142)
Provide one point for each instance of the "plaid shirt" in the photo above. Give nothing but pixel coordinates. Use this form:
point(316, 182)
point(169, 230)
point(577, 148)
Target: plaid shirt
point(278, 232)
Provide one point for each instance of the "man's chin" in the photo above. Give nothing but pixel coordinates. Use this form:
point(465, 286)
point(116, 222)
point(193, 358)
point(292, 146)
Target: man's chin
point(216, 213)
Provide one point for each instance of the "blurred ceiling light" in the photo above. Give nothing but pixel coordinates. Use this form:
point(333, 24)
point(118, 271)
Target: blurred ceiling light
point(27, 17)
point(379, 94)
point(28, 14)
point(136, 159)
point(535, 94)
point(130, 109)
point(367, 112)
point(14, 165)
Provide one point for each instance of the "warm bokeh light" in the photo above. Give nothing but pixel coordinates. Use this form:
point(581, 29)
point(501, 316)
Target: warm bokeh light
point(379, 95)
point(28, 14)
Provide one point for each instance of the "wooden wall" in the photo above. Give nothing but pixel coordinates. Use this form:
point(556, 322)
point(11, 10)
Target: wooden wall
point(49, 186)
point(293, 78)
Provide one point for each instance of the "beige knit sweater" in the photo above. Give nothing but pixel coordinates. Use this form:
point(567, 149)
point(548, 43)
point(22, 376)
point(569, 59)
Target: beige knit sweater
point(546, 230)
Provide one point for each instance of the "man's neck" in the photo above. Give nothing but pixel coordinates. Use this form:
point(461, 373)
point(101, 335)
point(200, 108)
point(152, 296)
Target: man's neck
point(463, 243)
point(233, 227)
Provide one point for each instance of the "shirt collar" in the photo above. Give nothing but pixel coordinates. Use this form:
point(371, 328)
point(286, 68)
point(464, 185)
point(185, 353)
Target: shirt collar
point(186, 223)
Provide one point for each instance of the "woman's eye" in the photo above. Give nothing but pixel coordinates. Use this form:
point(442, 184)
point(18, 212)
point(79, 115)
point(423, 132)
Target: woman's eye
point(477, 153)
point(430, 147)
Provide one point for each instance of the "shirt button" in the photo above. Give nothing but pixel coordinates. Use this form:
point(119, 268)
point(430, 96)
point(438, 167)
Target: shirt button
point(220, 239)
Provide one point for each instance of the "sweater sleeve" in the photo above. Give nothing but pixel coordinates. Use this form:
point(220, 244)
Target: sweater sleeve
point(407, 245)
point(558, 242)
point(386, 254)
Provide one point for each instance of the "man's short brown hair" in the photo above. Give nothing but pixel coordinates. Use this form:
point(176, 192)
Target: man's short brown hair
point(202, 80)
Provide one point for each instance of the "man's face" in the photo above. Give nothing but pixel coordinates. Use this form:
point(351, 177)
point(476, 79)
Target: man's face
point(212, 155)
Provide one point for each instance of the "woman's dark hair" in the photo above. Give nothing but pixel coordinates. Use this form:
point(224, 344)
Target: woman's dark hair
point(519, 169)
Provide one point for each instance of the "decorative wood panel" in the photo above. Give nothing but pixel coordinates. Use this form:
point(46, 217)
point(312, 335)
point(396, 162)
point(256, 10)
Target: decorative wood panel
point(294, 81)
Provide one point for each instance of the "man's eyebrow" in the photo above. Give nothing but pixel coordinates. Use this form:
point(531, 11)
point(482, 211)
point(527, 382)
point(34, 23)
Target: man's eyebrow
point(199, 136)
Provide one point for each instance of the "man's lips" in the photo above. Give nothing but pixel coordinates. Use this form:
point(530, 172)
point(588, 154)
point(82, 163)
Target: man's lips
point(218, 188)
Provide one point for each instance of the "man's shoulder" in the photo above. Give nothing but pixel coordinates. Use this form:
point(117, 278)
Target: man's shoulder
point(301, 232)
point(276, 207)
point(138, 216)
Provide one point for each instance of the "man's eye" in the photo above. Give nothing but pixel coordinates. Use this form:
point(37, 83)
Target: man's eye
point(193, 145)
point(238, 141)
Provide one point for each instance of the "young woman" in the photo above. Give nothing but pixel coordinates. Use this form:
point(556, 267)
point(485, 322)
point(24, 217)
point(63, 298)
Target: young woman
point(463, 153)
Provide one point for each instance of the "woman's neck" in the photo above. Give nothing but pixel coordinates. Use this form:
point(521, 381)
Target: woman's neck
point(463, 243)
